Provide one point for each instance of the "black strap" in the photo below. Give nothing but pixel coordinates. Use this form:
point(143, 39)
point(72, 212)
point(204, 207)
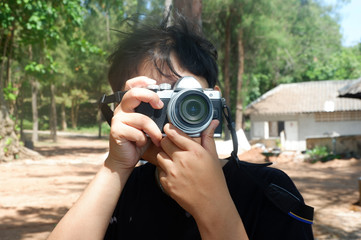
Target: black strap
point(284, 200)
point(231, 127)
point(289, 203)
point(105, 100)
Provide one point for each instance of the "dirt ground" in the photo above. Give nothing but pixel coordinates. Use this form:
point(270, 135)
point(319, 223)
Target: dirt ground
point(36, 193)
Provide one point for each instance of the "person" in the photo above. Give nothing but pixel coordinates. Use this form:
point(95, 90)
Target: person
point(184, 191)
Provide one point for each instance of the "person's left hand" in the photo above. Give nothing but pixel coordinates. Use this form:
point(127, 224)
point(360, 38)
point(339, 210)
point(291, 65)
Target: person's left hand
point(190, 171)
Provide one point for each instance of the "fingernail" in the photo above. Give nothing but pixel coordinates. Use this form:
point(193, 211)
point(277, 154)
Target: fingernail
point(160, 104)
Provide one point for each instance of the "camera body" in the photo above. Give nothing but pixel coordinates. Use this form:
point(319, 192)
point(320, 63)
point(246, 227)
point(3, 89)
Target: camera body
point(187, 106)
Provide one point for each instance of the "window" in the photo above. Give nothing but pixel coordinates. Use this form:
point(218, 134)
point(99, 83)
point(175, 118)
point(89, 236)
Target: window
point(338, 116)
point(275, 128)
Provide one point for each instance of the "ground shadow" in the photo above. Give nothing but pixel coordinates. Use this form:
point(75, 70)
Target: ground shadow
point(64, 151)
point(43, 221)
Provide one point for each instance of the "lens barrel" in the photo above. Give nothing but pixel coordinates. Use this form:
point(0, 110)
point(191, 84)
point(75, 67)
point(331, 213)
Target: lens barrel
point(190, 110)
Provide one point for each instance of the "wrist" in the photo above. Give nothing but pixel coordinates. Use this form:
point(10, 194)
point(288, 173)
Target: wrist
point(116, 166)
point(225, 224)
point(220, 220)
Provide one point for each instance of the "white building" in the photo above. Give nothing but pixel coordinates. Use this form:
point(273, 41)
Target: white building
point(292, 113)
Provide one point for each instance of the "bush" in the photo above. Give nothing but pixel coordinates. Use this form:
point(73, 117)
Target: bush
point(320, 153)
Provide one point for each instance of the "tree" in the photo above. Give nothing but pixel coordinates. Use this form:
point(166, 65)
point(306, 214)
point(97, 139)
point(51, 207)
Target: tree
point(50, 49)
point(191, 9)
point(9, 144)
point(271, 42)
point(344, 64)
point(34, 27)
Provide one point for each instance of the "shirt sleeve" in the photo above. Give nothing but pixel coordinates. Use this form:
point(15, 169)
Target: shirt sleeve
point(275, 222)
point(262, 218)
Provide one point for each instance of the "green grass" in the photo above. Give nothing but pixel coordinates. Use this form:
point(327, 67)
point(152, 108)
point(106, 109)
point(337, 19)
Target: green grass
point(91, 129)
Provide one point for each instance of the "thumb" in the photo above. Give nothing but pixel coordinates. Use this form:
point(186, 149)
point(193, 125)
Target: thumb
point(207, 138)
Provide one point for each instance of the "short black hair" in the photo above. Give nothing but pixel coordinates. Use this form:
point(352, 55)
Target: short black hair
point(147, 44)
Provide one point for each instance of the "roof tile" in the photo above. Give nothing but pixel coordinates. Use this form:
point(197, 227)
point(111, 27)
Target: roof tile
point(305, 97)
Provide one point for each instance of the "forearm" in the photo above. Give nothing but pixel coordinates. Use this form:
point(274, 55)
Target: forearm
point(218, 217)
point(221, 222)
point(90, 215)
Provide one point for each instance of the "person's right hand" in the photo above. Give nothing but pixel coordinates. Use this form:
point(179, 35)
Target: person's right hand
point(128, 140)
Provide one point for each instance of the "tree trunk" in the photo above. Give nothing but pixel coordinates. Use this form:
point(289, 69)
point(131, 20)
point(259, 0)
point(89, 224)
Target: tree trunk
point(9, 142)
point(11, 105)
point(99, 120)
point(191, 10)
point(53, 117)
point(227, 84)
point(99, 113)
point(8, 70)
point(239, 105)
point(73, 122)
point(74, 112)
point(34, 107)
point(107, 25)
point(167, 9)
point(4, 57)
point(34, 102)
point(20, 114)
point(64, 125)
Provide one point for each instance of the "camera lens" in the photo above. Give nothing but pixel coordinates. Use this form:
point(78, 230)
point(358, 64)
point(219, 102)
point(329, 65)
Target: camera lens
point(193, 109)
point(190, 110)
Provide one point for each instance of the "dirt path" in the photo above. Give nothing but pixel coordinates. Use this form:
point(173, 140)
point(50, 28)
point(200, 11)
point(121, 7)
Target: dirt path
point(35, 194)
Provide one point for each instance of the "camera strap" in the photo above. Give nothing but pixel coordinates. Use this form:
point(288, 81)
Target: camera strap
point(104, 107)
point(232, 129)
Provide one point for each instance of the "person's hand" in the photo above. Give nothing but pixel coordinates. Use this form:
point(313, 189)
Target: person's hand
point(190, 172)
point(128, 140)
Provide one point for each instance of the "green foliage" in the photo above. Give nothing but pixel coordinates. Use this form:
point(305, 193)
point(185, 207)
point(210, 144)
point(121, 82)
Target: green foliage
point(8, 141)
point(320, 153)
point(65, 43)
point(284, 41)
point(344, 64)
point(10, 92)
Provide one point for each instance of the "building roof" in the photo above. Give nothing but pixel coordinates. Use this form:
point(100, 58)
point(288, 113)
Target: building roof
point(305, 97)
point(351, 90)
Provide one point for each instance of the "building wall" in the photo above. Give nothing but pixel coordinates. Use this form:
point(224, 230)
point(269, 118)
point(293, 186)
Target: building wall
point(299, 127)
point(309, 127)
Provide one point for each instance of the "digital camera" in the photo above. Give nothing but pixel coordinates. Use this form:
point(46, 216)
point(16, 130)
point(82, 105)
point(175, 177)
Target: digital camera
point(187, 106)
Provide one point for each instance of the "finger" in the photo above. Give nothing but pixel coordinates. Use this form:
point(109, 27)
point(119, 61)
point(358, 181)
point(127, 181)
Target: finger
point(179, 138)
point(135, 96)
point(164, 160)
point(165, 163)
point(139, 82)
point(124, 131)
point(208, 139)
point(139, 122)
point(169, 147)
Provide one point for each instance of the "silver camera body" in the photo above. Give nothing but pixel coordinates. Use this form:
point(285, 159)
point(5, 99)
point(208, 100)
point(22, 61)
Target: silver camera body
point(187, 106)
